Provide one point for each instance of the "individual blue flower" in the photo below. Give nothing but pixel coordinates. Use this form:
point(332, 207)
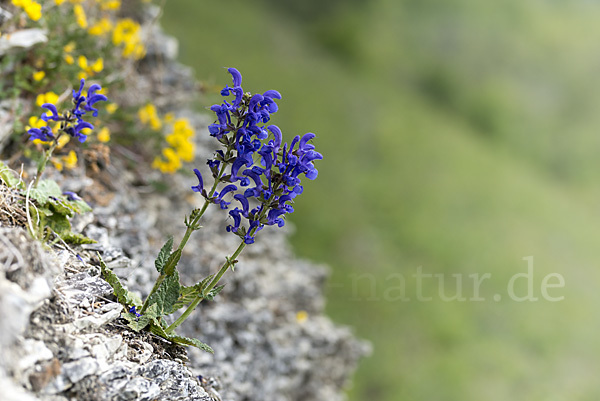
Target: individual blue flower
point(132, 310)
point(43, 134)
point(52, 108)
point(200, 186)
point(71, 196)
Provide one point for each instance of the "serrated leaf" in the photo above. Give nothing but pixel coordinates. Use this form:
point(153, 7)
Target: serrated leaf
point(80, 206)
point(44, 190)
point(61, 206)
point(58, 223)
point(172, 262)
point(202, 285)
point(124, 297)
point(166, 296)
point(163, 255)
point(45, 211)
point(191, 341)
point(76, 239)
point(214, 292)
point(152, 312)
point(186, 296)
point(137, 323)
point(157, 329)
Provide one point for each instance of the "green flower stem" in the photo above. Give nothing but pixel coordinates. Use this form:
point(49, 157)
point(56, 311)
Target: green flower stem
point(229, 262)
point(42, 165)
point(191, 227)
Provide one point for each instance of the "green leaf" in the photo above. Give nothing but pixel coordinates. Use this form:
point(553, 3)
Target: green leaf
point(80, 206)
point(124, 297)
point(9, 179)
point(76, 239)
point(137, 323)
point(61, 206)
point(44, 190)
point(58, 223)
point(172, 262)
point(163, 255)
point(191, 341)
point(166, 296)
point(186, 296)
point(157, 329)
point(214, 292)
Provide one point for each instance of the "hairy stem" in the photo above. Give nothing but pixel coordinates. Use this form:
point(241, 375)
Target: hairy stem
point(42, 165)
point(192, 226)
point(228, 263)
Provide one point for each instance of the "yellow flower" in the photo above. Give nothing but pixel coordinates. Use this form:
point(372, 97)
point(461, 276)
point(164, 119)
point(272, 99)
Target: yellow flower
point(111, 4)
point(171, 165)
point(32, 8)
point(111, 108)
point(179, 139)
point(86, 131)
point(69, 47)
point(80, 16)
point(98, 65)
point(148, 115)
point(101, 27)
point(87, 69)
point(38, 76)
point(62, 141)
point(70, 160)
point(82, 62)
point(104, 135)
point(69, 59)
point(57, 164)
point(48, 97)
point(58, 2)
point(182, 127)
point(35, 122)
point(126, 33)
point(301, 316)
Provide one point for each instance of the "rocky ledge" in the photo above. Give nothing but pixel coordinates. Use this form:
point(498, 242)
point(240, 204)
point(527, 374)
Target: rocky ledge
point(62, 337)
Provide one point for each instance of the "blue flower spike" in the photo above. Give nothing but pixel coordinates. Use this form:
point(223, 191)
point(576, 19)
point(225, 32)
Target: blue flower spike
point(254, 153)
point(72, 121)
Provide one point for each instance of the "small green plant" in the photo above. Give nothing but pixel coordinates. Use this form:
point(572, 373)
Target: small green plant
point(252, 153)
point(48, 208)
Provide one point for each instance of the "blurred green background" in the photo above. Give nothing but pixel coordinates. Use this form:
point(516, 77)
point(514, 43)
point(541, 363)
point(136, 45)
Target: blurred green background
point(459, 136)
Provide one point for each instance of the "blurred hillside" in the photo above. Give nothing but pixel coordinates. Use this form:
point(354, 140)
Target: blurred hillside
point(460, 136)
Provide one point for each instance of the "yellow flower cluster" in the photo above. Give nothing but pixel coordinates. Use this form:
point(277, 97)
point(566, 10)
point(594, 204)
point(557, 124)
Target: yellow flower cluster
point(32, 8)
point(68, 161)
point(182, 148)
point(149, 116)
point(180, 139)
point(102, 27)
point(48, 97)
point(89, 69)
point(80, 16)
point(109, 4)
point(127, 33)
point(67, 50)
